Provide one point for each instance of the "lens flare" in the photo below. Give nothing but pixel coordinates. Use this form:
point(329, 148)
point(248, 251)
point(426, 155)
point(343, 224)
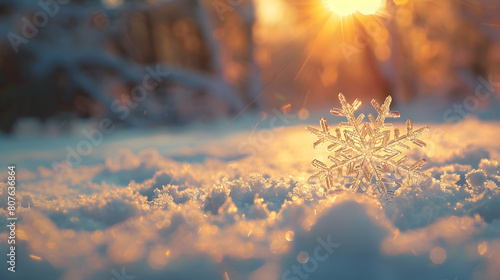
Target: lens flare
point(345, 8)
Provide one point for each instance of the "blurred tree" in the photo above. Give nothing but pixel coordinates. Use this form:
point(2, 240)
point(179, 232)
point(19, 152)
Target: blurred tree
point(102, 50)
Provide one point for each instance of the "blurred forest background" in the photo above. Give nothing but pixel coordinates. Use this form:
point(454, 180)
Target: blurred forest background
point(79, 59)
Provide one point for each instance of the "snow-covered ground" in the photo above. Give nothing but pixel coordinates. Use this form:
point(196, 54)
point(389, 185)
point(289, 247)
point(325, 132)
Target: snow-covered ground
point(236, 204)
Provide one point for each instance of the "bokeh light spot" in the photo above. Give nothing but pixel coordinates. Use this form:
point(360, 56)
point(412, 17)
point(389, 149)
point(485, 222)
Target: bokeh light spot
point(482, 248)
point(438, 255)
point(303, 114)
point(302, 257)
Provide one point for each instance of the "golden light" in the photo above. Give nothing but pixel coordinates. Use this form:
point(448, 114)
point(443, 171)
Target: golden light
point(348, 7)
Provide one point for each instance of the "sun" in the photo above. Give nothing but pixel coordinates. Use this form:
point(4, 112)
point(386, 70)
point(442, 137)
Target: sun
point(348, 7)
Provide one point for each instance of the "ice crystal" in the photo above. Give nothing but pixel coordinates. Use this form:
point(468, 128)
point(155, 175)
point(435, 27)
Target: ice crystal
point(364, 152)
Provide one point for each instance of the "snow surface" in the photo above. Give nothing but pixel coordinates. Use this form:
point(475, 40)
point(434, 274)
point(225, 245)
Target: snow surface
point(236, 204)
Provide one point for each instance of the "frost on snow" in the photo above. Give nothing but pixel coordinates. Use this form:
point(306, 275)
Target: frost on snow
point(364, 151)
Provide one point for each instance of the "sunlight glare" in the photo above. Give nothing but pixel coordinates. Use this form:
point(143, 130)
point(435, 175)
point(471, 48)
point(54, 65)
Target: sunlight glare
point(345, 8)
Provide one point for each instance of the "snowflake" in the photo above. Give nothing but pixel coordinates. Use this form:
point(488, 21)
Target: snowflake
point(364, 151)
